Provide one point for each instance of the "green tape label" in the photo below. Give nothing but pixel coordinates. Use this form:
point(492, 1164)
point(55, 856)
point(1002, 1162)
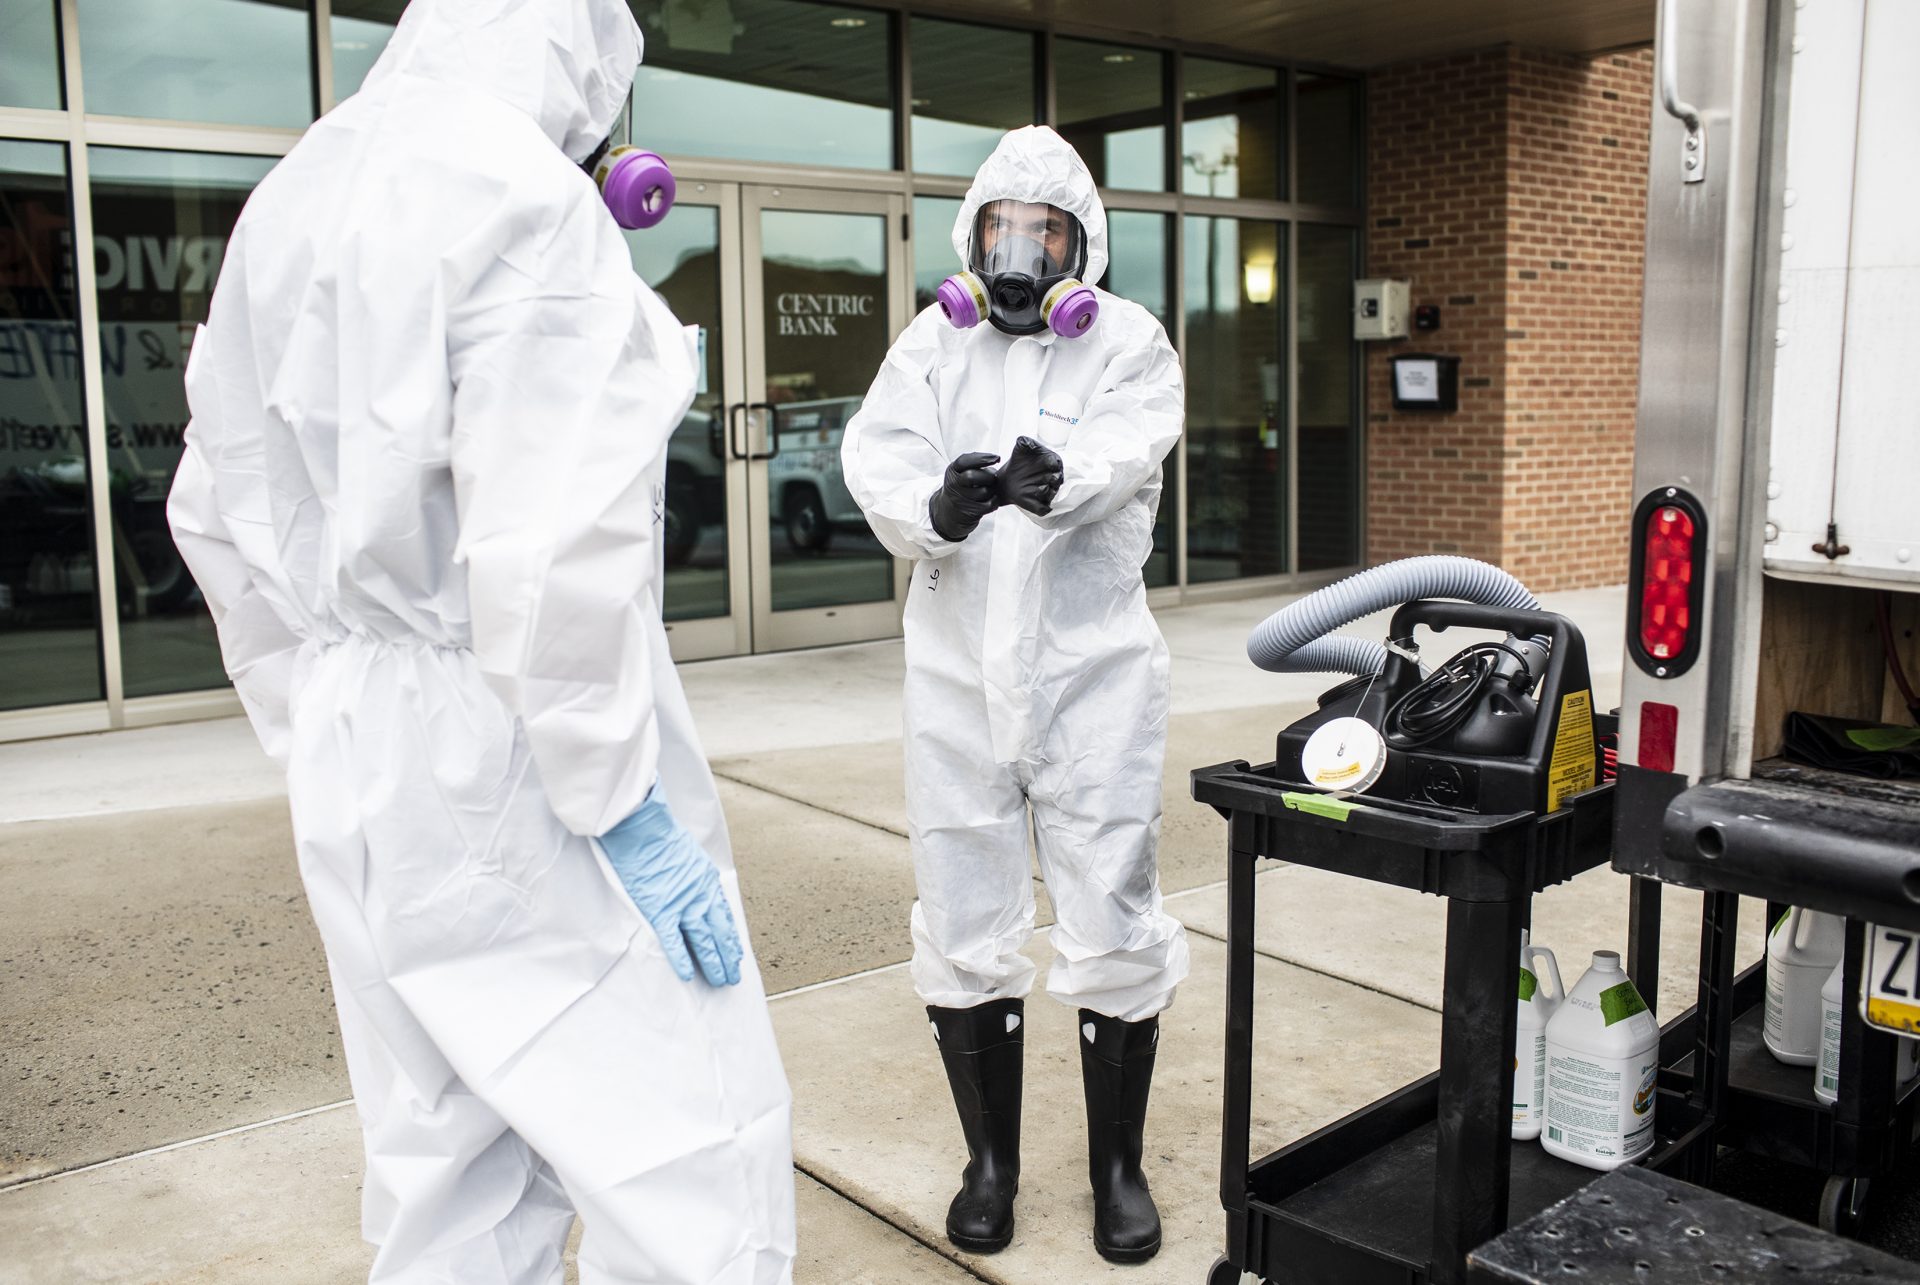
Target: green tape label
point(1618, 1003)
point(1528, 984)
point(1882, 739)
point(1318, 805)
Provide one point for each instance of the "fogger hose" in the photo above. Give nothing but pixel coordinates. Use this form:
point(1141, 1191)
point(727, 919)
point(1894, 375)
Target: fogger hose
point(1294, 639)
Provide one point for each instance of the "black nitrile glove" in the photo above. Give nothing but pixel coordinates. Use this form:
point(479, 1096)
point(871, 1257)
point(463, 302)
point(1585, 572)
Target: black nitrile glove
point(965, 496)
point(1032, 477)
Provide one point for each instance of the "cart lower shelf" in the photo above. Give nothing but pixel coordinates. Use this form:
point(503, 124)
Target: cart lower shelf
point(1771, 1111)
point(1373, 1220)
point(1354, 1203)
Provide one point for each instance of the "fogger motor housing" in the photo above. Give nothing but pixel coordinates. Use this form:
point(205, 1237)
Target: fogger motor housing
point(1504, 727)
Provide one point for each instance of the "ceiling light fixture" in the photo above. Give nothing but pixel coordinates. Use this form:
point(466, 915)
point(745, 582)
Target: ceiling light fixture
point(848, 24)
point(1116, 58)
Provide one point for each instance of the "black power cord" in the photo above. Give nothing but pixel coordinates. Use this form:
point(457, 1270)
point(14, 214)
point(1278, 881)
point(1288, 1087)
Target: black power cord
point(1443, 700)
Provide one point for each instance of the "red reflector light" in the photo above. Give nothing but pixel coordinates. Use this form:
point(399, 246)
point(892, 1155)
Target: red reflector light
point(1659, 731)
point(1666, 582)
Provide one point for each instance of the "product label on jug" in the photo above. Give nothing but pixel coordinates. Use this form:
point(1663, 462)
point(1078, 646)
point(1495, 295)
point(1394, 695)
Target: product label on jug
point(1829, 1080)
point(1528, 983)
point(1602, 1106)
point(1618, 1003)
point(1775, 1023)
point(1530, 1065)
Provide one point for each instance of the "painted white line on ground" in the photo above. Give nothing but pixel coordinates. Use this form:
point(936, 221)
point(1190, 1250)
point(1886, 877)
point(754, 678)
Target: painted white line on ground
point(176, 1146)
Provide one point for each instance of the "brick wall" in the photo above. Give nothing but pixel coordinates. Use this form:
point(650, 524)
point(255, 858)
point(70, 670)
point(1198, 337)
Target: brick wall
point(1510, 187)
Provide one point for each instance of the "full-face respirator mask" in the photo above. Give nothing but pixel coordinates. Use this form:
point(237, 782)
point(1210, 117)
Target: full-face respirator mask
point(1024, 261)
point(634, 182)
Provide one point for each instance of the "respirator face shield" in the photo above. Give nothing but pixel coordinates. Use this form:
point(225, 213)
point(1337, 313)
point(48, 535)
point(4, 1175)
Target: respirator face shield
point(634, 182)
point(1023, 264)
point(1026, 238)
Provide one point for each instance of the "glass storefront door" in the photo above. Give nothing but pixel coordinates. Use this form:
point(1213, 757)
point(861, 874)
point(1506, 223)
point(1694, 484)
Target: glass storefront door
point(797, 294)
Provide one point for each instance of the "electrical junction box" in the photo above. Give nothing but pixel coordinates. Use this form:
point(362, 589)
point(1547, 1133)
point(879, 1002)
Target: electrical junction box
point(1380, 309)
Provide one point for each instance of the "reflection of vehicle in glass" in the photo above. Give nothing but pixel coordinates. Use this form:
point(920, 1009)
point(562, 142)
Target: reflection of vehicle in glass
point(696, 485)
point(46, 537)
point(804, 483)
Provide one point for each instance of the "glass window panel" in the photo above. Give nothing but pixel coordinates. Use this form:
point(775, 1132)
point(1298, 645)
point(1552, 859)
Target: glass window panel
point(49, 615)
point(1329, 434)
point(1138, 258)
point(933, 257)
point(236, 62)
point(1327, 139)
point(1137, 270)
point(1236, 443)
point(824, 278)
point(1112, 102)
point(766, 80)
point(161, 221)
point(29, 55)
point(680, 258)
point(970, 86)
point(1232, 138)
point(361, 29)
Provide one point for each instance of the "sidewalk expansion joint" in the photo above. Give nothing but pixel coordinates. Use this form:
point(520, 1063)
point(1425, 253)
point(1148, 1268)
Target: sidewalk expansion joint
point(184, 1143)
point(1321, 972)
point(940, 1248)
point(806, 803)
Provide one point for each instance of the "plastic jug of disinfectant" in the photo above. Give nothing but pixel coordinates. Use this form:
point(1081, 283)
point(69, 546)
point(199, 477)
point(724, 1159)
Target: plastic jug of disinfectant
point(1530, 1036)
point(1826, 1073)
point(1801, 950)
point(1603, 1068)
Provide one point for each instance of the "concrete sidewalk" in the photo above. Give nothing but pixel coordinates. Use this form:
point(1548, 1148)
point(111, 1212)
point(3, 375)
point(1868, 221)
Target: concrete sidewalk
point(169, 1022)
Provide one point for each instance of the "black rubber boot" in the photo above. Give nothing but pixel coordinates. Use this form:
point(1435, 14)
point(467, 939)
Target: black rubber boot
point(982, 1048)
point(1116, 1062)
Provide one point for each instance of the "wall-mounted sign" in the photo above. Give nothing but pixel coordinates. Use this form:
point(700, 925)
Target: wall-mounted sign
point(1426, 381)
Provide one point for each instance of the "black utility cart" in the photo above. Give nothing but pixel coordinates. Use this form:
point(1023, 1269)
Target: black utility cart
point(1794, 836)
point(1399, 1192)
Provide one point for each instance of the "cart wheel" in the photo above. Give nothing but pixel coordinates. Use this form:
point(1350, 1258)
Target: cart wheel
point(1843, 1205)
point(1223, 1272)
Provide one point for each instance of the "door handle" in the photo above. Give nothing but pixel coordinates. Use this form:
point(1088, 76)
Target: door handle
point(1693, 163)
point(733, 430)
point(773, 428)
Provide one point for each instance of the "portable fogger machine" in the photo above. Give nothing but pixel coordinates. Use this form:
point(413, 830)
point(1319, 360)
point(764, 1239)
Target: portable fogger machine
point(1504, 726)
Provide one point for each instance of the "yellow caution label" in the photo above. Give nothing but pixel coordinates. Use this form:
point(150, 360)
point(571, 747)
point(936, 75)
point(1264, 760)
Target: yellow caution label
point(1892, 1015)
point(1574, 766)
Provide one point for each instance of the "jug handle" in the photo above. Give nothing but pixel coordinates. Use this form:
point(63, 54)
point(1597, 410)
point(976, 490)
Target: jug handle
point(1553, 968)
point(1794, 919)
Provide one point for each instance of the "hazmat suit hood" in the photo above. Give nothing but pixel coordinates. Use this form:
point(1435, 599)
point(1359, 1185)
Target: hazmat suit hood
point(569, 64)
point(1035, 164)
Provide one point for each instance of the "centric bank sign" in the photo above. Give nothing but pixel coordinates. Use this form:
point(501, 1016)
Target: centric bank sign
point(818, 314)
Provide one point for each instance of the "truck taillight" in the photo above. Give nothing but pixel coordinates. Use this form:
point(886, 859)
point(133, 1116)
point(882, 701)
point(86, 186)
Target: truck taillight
point(1669, 545)
point(1666, 585)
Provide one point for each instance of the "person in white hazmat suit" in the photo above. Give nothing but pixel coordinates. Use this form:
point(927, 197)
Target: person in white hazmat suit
point(422, 493)
point(1036, 678)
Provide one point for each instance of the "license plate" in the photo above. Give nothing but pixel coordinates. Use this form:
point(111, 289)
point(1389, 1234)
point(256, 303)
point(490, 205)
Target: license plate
point(1893, 980)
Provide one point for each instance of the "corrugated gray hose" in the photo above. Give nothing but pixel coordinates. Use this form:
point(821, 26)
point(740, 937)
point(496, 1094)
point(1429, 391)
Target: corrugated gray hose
point(1294, 639)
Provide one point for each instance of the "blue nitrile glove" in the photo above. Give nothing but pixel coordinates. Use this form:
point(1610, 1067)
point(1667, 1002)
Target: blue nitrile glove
point(677, 888)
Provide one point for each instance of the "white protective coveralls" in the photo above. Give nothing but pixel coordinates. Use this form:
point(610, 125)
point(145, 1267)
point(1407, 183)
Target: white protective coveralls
point(1035, 673)
point(422, 495)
